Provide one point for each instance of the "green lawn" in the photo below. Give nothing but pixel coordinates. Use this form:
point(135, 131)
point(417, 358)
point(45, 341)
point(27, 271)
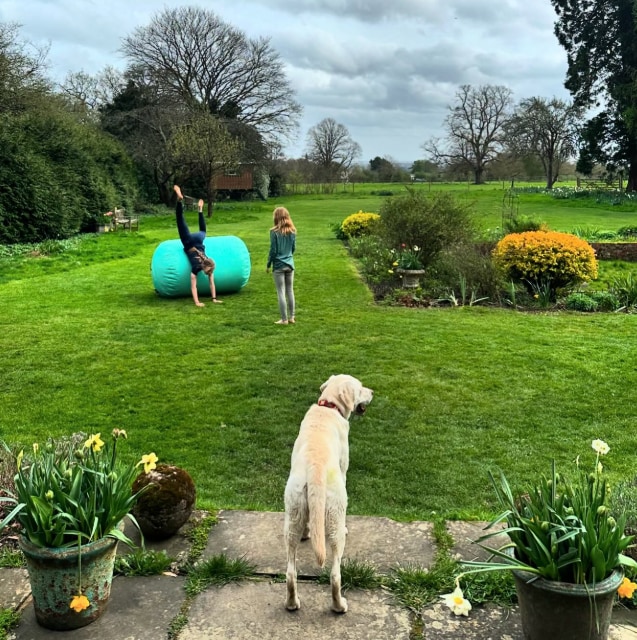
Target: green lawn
point(86, 345)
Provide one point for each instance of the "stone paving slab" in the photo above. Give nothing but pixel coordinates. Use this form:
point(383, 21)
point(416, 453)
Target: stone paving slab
point(14, 588)
point(382, 542)
point(256, 610)
point(140, 608)
point(465, 534)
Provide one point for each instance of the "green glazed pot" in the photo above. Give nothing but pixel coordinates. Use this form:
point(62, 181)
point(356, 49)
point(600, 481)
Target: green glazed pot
point(53, 574)
point(561, 610)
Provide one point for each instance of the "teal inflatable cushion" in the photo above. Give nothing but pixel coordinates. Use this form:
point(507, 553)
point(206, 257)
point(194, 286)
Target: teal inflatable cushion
point(170, 267)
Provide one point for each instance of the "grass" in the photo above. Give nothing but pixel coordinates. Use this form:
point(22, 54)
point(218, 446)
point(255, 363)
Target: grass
point(143, 562)
point(218, 570)
point(86, 345)
point(9, 619)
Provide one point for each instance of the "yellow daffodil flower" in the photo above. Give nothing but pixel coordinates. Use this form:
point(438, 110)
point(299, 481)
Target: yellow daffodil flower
point(95, 442)
point(79, 603)
point(18, 460)
point(457, 602)
point(626, 588)
point(149, 461)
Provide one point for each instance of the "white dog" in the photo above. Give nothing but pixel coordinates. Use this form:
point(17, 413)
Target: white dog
point(315, 494)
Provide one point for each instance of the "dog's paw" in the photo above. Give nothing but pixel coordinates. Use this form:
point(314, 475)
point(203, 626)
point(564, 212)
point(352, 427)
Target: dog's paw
point(294, 605)
point(340, 607)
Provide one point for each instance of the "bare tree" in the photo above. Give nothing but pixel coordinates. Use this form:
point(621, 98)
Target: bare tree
point(22, 67)
point(205, 146)
point(546, 129)
point(331, 148)
point(90, 93)
point(196, 58)
point(475, 127)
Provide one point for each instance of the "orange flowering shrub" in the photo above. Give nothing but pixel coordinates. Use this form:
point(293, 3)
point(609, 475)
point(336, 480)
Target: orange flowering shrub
point(546, 259)
point(359, 224)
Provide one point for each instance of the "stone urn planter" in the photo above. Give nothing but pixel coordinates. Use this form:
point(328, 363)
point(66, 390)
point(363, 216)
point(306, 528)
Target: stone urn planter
point(411, 277)
point(552, 609)
point(167, 502)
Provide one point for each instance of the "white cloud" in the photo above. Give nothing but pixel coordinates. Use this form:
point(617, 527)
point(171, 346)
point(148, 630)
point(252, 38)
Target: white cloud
point(386, 70)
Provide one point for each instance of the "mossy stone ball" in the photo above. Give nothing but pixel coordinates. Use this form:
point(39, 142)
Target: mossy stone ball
point(166, 506)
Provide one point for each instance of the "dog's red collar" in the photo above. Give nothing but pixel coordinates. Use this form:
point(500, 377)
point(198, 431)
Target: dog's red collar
point(331, 405)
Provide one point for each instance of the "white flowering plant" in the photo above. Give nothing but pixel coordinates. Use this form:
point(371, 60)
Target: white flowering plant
point(559, 529)
point(408, 258)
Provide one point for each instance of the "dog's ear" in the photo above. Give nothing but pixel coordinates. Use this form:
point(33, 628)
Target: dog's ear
point(325, 384)
point(347, 395)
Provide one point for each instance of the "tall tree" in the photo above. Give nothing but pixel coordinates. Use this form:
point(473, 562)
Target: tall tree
point(475, 127)
point(22, 68)
point(546, 129)
point(197, 59)
point(205, 147)
point(600, 39)
point(331, 148)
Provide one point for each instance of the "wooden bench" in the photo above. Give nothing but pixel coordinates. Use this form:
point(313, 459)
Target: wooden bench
point(120, 219)
point(597, 184)
point(190, 203)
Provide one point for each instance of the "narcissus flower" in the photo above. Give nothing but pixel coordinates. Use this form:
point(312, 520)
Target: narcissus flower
point(626, 588)
point(600, 447)
point(457, 602)
point(149, 461)
point(94, 442)
point(79, 603)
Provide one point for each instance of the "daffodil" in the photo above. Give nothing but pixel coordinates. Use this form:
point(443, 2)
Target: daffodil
point(626, 588)
point(79, 603)
point(95, 442)
point(457, 602)
point(149, 461)
point(600, 447)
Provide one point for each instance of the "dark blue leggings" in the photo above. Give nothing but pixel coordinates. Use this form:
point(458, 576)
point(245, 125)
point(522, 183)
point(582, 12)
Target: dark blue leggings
point(189, 239)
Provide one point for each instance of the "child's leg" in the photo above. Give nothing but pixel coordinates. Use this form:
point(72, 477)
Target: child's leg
point(202, 222)
point(279, 283)
point(182, 227)
point(289, 292)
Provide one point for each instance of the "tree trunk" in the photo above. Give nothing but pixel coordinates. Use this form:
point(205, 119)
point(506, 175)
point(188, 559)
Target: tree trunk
point(631, 183)
point(211, 197)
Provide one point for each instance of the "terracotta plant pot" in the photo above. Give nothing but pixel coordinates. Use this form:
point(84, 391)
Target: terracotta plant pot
point(551, 609)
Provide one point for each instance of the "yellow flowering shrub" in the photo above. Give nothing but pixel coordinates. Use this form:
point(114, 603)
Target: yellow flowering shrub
point(359, 224)
point(547, 258)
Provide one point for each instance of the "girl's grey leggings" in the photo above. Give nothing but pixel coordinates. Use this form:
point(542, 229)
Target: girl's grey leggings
point(284, 283)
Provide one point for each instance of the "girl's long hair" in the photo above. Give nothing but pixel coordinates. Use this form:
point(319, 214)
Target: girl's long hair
point(282, 221)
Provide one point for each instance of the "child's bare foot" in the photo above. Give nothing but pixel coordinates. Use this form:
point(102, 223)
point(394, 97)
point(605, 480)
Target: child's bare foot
point(200, 203)
point(217, 301)
point(200, 304)
point(178, 192)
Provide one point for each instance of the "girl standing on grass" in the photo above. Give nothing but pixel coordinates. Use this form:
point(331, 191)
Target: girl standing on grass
point(280, 258)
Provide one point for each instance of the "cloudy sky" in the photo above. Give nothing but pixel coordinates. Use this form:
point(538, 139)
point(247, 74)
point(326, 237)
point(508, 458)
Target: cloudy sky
point(386, 69)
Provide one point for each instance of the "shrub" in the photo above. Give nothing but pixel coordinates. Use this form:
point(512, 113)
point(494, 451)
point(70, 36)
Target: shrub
point(546, 260)
point(359, 224)
point(520, 224)
point(375, 259)
point(432, 223)
point(627, 232)
point(581, 302)
point(606, 301)
point(624, 288)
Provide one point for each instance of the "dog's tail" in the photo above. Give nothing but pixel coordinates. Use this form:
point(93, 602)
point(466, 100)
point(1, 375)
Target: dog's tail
point(316, 496)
